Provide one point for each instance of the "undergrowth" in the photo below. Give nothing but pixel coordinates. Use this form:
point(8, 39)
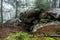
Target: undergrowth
point(26, 36)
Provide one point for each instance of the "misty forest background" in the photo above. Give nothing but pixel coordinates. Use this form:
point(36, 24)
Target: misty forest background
point(10, 9)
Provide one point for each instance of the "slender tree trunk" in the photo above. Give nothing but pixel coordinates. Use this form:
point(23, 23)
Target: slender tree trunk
point(16, 10)
point(1, 12)
point(54, 3)
point(59, 3)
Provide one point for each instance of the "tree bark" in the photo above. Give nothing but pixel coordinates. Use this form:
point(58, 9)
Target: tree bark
point(1, 12)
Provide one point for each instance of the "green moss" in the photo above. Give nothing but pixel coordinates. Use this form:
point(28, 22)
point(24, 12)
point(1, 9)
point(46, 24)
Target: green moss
point(49, 38)
point(18, 36)
point(26, 36)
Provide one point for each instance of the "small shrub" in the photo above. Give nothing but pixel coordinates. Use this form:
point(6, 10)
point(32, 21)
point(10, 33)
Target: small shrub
point(18, 36)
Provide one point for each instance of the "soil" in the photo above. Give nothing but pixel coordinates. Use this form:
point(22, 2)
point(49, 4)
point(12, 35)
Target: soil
point(6, 30)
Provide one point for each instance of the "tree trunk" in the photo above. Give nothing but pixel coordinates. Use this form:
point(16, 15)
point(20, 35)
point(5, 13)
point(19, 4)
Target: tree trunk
point(1, 13)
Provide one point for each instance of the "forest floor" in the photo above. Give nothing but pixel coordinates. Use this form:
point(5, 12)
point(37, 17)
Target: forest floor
point(6, 30)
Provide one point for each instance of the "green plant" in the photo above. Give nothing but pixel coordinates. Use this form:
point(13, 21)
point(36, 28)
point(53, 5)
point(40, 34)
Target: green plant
point(49, 38)
point(26, 36)
point(40, 4)
point(18, 36)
